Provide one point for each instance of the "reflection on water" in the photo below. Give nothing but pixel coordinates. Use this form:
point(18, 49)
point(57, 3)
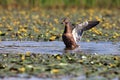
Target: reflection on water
point(57, 47)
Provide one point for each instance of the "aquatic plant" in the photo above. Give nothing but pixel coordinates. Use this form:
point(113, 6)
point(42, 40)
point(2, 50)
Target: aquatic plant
point(44, 25)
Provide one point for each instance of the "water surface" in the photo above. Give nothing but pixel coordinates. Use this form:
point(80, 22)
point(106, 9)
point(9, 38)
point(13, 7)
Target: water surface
point(57, 47)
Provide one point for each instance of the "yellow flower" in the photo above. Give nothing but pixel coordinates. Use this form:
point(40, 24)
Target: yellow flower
point(111, 65)
point(10, 28)
point(98, 18)
point(54, 28)
point(106, 34)
point(0, 32)
point(27, 53)
point(114, 24)
point(18, 32)
point(67, 13)
point(56, 20)
point(52, 38)
point(23, 57)
point(36, 30)
point(12, 36)
point(90, 18)
point(60, 34)
point(80, 61)
point(23, 30)
point(31, 37)
point(29, 66)
point(20, 37)
point(116, 34)
point(47, 33)
point(22, 69)
point(54, 71)
point(25, 34)
point(116, 58)
point(1, 25)
point(114, 37)
point(88, 40)
point(58, 57)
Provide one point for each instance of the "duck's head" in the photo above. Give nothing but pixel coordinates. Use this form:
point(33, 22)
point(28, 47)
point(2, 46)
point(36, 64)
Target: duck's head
point(65, 21)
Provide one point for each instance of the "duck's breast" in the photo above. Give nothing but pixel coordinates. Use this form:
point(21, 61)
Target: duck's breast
point(68, 39)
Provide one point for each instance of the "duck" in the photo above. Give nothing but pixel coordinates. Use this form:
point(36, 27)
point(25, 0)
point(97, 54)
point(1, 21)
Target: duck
point(73, 32)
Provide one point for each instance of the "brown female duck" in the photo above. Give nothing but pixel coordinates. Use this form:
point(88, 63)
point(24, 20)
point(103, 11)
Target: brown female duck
point(73, 33)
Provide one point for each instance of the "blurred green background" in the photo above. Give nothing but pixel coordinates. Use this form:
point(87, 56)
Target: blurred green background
point(60, 3)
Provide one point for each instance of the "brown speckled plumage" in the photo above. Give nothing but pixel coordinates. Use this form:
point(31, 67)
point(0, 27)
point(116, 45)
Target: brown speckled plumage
point(73, 33)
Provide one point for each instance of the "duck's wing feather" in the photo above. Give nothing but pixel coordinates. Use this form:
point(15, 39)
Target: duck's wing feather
point(80, 28)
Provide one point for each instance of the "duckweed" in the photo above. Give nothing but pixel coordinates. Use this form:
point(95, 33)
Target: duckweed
point(44, 25)
point(47, 65)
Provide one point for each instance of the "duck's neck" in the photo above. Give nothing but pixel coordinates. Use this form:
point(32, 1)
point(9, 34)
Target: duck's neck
point(68, 28)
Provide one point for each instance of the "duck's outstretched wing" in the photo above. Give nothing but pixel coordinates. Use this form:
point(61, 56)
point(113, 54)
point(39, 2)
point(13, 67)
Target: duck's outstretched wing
point(80, 28)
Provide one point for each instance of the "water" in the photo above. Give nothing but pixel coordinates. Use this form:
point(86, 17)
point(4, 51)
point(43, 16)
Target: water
point(63, 78)
point(57, 47)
